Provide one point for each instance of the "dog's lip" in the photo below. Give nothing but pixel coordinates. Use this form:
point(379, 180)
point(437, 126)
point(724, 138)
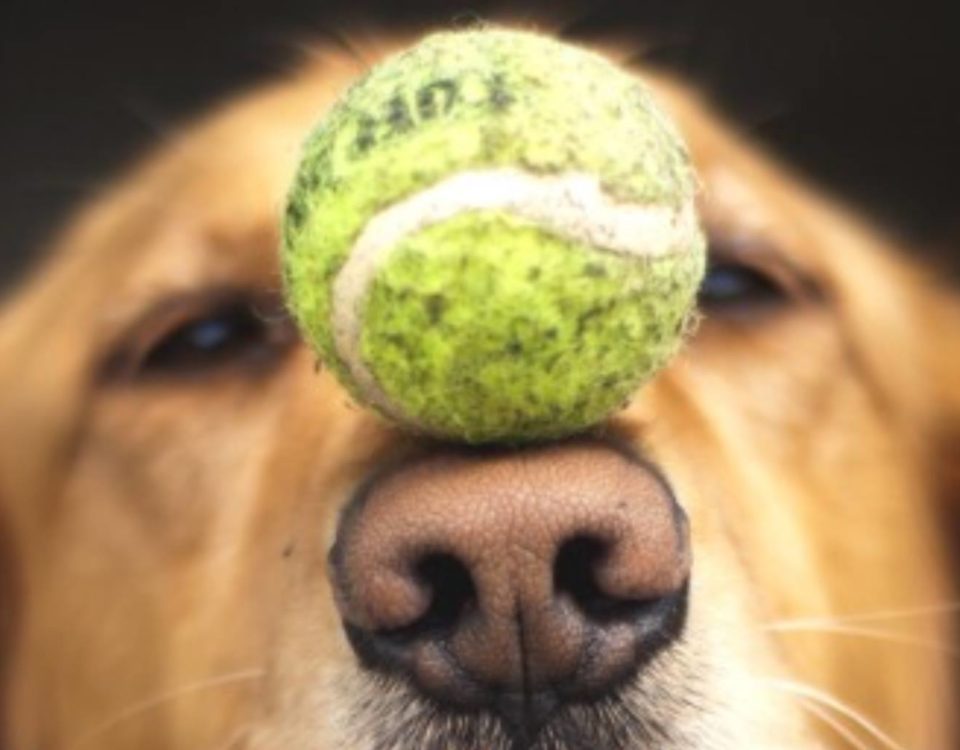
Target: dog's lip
point(522, 718)
point(518, 729)
point(522, 714)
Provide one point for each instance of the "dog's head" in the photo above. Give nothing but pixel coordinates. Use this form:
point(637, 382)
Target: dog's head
point(748, 556)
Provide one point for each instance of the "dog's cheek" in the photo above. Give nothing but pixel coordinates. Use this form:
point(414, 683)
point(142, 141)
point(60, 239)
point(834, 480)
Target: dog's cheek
point(726, 657)
point(165, 559)
point(10, 608)
point(323, 449)
point(820, 492)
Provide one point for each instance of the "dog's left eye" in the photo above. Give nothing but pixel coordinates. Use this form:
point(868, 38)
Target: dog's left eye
point(192, 338)
point(729, 285)
point(208, 341)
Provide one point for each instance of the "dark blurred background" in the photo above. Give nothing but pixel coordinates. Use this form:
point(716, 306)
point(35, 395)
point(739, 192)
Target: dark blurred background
point(864, 97)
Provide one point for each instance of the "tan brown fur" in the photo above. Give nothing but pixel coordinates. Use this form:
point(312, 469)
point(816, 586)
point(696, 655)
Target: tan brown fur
point(160, 535)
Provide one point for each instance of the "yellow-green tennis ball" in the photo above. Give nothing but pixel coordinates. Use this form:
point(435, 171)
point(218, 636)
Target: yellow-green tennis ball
point(492, 237)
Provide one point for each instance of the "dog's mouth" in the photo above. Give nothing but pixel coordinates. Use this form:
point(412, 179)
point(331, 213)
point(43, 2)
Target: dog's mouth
point(620, 720)
point(517, 594)
point(591, 701)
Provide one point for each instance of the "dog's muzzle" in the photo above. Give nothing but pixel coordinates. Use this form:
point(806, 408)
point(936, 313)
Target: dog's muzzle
point(513, 582)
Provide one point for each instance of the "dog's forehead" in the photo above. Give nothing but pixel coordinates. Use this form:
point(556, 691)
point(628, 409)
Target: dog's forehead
point(207, 206)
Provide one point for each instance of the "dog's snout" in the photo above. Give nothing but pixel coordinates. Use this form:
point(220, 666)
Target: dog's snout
point(517, 580)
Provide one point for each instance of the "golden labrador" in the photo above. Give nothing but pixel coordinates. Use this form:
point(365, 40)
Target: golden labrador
point(175, 471)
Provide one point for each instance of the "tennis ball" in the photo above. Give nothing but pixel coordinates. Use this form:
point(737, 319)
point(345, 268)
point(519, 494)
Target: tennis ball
point(492, 238)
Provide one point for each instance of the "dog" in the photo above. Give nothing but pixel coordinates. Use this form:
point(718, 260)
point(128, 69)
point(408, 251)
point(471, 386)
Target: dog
point(175, 470)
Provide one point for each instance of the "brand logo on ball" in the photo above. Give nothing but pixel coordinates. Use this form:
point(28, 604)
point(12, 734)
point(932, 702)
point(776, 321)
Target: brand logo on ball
point(405, 109)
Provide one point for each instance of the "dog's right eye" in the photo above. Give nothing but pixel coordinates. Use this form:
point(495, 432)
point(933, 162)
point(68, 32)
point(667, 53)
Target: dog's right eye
point(193, 338)
point(747, 280)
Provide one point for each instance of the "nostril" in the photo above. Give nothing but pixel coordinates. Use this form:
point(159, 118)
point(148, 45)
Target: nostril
point(575, 575)
point(452, 593)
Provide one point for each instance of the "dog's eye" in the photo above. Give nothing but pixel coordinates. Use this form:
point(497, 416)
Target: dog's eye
point(208, 341)
point(730, 287)
point(192, 337)
point(750, 279)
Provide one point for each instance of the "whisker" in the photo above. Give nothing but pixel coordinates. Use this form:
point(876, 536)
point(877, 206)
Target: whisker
point(892, 614)
point(835, 724)
point(870, 633)
point(148, 704)
point(825, 699)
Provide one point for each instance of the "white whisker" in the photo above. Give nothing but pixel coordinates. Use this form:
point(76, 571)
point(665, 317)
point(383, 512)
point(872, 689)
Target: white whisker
point(892, 614)
point(835, 724)
point(148, 704)
point(799, 626)
point(825, 699)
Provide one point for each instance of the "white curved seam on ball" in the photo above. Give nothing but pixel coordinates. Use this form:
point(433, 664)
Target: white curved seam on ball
point(572, 206)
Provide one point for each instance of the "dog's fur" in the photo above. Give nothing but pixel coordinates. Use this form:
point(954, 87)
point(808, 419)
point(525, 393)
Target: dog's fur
point(164, 530)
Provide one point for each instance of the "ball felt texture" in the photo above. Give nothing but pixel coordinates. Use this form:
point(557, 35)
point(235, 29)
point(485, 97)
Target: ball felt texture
point(491, 238)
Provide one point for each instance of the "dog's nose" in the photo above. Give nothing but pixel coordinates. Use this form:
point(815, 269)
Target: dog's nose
point(513, 581)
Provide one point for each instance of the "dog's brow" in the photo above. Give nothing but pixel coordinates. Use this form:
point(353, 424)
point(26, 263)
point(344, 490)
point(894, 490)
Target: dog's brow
point(206, 270)
point(733, 211)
